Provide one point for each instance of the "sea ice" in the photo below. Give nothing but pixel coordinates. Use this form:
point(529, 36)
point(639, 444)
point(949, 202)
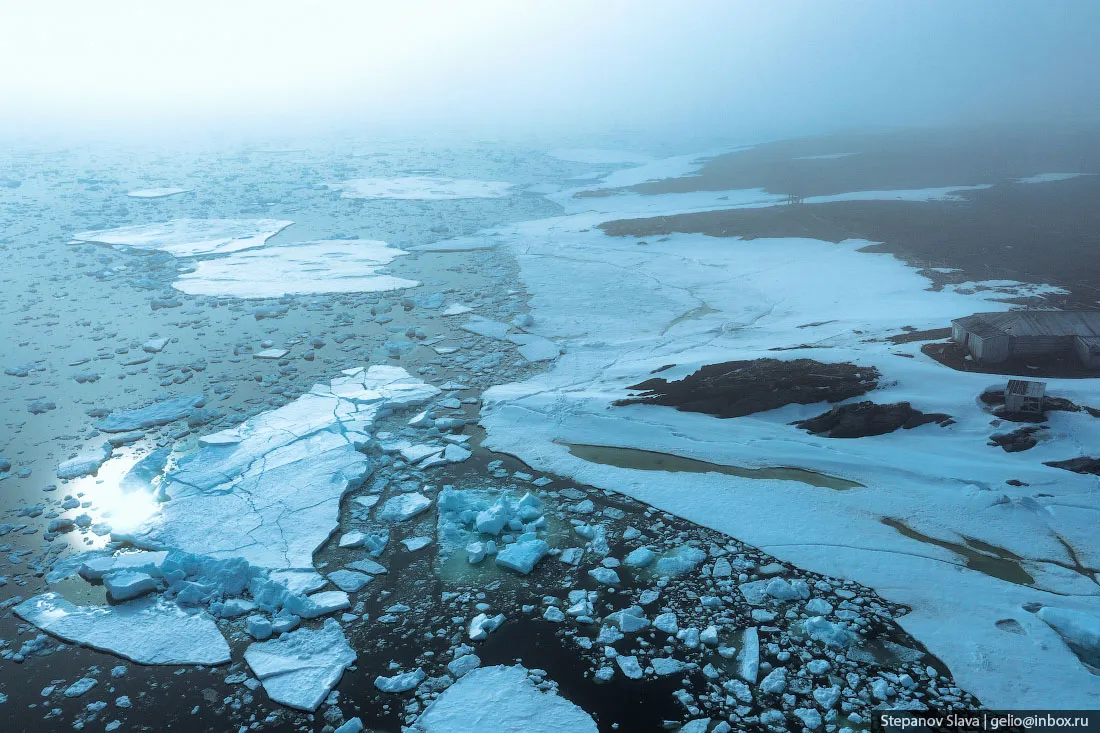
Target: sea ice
point(400, 682)
point(329, 266)
point(503, 700)
point(190, 237)
point(403, 506)
point(300, 668)
point(159, 413)
point(523, 556)
point(85, 464)
point(146, 631)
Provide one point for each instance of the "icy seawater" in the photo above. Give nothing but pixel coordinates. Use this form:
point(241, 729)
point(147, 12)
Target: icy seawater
point(332, 437)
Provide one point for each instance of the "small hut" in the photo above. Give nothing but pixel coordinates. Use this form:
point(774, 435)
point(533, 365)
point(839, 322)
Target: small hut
point(1025, 396)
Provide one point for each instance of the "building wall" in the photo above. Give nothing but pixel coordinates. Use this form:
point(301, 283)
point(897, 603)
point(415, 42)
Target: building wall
point(992, 350)
point(1089, 358)
point(1024, 346)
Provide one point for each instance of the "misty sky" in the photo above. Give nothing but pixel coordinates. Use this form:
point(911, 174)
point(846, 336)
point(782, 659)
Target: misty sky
point(757, 69)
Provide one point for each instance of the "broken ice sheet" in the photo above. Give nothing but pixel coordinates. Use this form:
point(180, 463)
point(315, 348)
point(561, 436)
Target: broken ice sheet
point(269, 490)
point(190, 237)
point(147, 631)
point(300, 668)
point(330, 266)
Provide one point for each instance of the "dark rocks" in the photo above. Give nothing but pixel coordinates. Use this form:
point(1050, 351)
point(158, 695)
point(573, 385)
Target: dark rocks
point(1084, 464)
point(737, 388)
point(862, 419)
point(1018, 440)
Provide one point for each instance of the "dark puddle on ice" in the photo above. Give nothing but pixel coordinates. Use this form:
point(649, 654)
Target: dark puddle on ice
point(644, 460)
point(634, 705)
point(998, 563)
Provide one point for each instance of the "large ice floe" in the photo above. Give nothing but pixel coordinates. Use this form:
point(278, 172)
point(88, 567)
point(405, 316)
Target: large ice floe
point(147, 631)
point(190, 237)
point(504, 700)
point(330, 266)
point(935, 524)
point(421, 187)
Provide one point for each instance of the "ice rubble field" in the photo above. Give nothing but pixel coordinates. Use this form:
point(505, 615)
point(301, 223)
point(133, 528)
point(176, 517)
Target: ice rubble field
point(707, 300)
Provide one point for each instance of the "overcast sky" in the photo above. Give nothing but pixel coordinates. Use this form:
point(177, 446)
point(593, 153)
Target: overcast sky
point(761, 69)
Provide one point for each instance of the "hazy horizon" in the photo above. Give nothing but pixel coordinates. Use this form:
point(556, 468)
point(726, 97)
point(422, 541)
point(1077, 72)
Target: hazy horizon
point(701, 69)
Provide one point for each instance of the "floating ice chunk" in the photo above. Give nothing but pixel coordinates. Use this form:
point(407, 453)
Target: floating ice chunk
point(681, 560)
point(482, 625)
point(630, 667)
point(146, 631)
point(402, 507)
point(640, 557)
point(86, 464)
point(270, 354)
point(667, 623)
point(629, 620)
point(488, 328)
point(349, 580)
point(456, 454)
point(331, 266)
point(368, 566)
point(781, 590)
point(748, 658)
point(420, 187)
point(827, 632)
point(455, 309)
point(300, 581)
point(259, 627)
point(122, 585)
point(161, 413)
point(81, 687)
point(300, 668)
point(667, 665)
point(400, 682)
point(318, 604)
point(190, 237)
point(416, 453)
point(501, 699)
point(355, 725)
point(156, 193)
point(606, 576)
point(154, 345)
point(412, 544)
point(94, 568)
point(352, 539)
point(464, 665)
point(523, 556)
point(818, 607)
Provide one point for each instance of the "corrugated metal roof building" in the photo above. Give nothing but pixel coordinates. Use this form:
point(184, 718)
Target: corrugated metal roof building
point(992, 338)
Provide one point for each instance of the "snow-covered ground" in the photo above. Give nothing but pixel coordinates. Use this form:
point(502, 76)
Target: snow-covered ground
point(692, 300)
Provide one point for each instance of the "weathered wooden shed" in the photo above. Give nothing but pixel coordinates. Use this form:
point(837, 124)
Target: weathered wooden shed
point(1023, 395)
point(992, 338)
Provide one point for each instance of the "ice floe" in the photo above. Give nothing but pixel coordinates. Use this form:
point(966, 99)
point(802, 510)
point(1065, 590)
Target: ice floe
point(156, 193)
point(147, 631)
point(300, 668)
point(501, 699)
point(421, 187)
point(190, 237)
point(329, 266)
